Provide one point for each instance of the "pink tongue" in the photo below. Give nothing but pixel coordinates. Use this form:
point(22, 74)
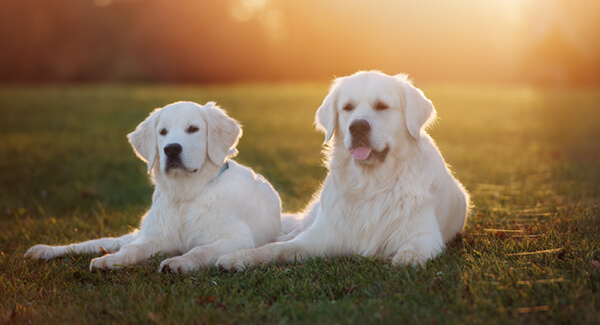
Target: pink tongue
point(360, 153)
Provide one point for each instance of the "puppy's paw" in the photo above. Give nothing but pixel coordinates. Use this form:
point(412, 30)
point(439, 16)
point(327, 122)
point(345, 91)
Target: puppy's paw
point(42, 252)
point(408, 257)
point(233, 262)
point(107, 262)
point(178, 264)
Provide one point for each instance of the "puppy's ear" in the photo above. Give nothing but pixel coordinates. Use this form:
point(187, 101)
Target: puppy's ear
point(223, 133)
point(419, 111)
point(143, 139)
point(326, 118)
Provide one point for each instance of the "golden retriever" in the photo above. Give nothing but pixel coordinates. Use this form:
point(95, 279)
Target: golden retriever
point(388, 193)
point(204, 205)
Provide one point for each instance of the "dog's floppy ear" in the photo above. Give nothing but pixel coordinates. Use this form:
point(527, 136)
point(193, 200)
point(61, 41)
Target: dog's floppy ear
point(223, 133)
point(143, 139)
point(326, 118)
point(419, 111)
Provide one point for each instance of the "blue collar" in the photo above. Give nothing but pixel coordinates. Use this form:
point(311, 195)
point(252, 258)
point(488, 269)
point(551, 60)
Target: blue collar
point(223, 169)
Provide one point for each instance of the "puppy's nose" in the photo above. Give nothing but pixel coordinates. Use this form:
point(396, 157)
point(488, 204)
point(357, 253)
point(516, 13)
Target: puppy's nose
point(173, 150)
point(359, 127)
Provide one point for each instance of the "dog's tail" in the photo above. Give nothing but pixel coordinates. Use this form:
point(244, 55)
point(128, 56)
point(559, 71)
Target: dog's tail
point(292, 224)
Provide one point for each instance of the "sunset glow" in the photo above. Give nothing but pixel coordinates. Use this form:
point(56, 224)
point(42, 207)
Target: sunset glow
point(547, 41)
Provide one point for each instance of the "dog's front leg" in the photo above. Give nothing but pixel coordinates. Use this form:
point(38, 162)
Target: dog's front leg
point(311, 243)
point(206, 255)
point(130, 254)
point(425, 244)
point(418, 251)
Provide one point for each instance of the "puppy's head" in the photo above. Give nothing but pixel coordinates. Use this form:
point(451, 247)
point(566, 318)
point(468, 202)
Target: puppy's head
point(371, 114)
point(180, 137)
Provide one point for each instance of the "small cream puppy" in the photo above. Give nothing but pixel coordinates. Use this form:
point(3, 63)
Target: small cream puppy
point(204, 205)
point(388, 193)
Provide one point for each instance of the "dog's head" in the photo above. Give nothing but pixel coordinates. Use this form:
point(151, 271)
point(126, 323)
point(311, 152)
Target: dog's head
point(180, 137)
point(371, 114)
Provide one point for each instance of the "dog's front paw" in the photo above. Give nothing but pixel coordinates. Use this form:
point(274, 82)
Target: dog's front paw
point(234, 261)
point(107, 262)
point(43, 252)
point(178, 264)
point(408, 257)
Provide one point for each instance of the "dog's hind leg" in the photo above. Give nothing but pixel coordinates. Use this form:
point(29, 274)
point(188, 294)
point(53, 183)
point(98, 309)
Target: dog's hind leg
point(108, 244)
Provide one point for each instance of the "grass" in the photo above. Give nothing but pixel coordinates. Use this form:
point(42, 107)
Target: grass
point(530, 252)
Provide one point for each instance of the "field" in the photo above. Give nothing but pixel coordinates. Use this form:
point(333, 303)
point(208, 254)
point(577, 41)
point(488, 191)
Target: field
point(530, 252)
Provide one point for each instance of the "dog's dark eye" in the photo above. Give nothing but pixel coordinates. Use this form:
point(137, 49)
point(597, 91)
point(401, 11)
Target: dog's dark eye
point(380, 106)
point(192, 129)
point(163, 131)
point(348, 107)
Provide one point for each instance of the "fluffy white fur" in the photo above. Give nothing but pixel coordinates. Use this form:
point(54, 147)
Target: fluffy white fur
point(388, 193)
point(198, 208)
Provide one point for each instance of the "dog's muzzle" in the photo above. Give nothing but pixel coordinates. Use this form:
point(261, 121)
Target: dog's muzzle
point(361, 149)
point(360, 129)
point(361, 144)
point(172, 151)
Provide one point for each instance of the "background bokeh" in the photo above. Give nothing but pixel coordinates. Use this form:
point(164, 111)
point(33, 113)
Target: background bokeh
point(549, 42)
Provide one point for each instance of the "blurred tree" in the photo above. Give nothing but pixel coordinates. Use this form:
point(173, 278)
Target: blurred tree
point(257, 40)
point(562, 45)
point(61, 40)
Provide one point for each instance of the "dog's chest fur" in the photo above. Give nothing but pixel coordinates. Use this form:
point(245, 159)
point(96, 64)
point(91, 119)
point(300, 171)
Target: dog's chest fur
point(179, 219)
point(374, 215)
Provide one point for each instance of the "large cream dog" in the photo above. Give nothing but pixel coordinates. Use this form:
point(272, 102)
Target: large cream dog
point(204, 204)
point(388, 193)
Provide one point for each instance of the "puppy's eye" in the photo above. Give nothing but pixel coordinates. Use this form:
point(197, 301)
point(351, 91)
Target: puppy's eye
point(192, 129)
point(348, 107)
point(380, 106)
point(163, 131)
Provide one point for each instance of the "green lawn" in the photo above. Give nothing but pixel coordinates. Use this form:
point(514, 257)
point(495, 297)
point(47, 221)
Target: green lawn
point(530, 252)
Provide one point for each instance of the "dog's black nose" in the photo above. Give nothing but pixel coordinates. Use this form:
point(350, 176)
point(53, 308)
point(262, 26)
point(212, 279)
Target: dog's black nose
point(359, 127)
point(173, 150)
